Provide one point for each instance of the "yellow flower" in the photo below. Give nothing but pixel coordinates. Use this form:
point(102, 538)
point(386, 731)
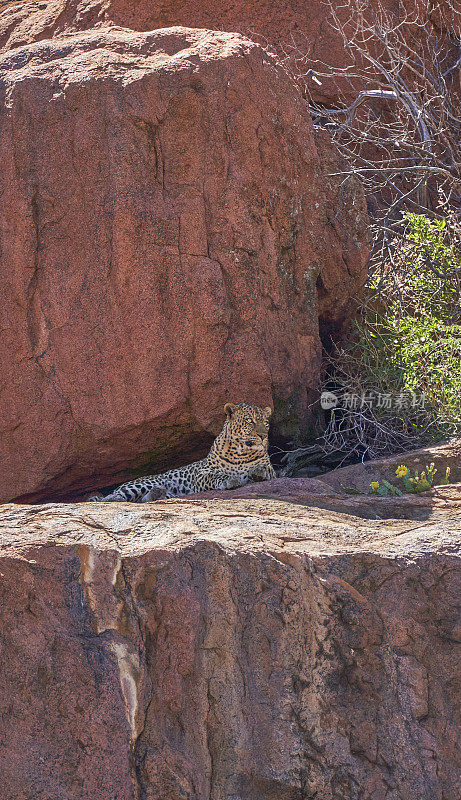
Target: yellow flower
point(448, 470)
point(374, 485)
point(401, 471)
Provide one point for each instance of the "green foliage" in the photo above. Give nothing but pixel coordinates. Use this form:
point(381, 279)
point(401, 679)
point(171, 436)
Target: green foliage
point(384, 489)
point(446, 478)
point(408, 339)
point(420, 482)
point(389, 488)
point(414, 484)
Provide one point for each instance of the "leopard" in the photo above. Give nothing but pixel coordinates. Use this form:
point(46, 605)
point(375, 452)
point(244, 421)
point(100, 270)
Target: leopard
point(238, 455)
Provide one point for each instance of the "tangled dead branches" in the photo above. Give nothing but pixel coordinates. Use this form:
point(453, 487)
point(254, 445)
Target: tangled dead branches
point(396, 120)
point(397, 123)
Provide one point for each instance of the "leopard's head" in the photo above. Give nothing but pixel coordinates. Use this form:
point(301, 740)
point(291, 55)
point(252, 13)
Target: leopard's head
point(244, 437)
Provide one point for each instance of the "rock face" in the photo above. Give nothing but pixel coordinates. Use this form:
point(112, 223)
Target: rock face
point(167, 235)
point(240, 650)
point(293, 27)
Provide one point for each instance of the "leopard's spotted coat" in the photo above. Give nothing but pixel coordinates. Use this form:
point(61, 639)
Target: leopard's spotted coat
point(237, 456)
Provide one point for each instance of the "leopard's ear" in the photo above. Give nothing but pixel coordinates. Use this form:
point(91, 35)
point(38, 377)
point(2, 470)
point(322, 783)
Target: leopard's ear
point(267, 411)
point(229, 409)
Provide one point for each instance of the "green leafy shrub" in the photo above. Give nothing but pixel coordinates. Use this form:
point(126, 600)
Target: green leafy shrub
point(406, 342)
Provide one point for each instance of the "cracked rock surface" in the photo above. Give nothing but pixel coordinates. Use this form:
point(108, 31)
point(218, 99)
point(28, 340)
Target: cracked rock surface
point(246, 649)
point(168, 242)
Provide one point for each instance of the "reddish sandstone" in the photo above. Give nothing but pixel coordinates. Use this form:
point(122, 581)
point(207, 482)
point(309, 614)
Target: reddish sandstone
point(169, 237)
point(293, 28)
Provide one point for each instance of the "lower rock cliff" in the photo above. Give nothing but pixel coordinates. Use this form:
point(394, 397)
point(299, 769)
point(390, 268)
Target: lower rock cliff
point(246, 649)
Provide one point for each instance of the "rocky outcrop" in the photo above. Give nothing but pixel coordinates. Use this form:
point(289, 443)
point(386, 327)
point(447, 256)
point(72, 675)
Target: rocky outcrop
point(292, 27)
point(359, 476)
point(275, 22)
point(347, 489)
point(232, 649)
point(167, 235)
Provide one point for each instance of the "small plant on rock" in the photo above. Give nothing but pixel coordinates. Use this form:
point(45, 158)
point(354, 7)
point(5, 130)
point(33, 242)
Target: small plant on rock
point(384, 489)
point(446, 479)
point(420, 482)
point(414, 484)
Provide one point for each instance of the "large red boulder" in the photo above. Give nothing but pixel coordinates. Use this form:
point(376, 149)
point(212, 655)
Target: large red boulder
point(169, 236)
point(293, 28)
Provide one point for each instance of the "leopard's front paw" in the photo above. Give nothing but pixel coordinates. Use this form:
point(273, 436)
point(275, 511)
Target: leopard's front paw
point(258, 474)
point(234, 482)
point(263, 473)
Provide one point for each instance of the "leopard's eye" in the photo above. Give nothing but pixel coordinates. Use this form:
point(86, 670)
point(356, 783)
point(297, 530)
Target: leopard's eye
point(248, 442)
